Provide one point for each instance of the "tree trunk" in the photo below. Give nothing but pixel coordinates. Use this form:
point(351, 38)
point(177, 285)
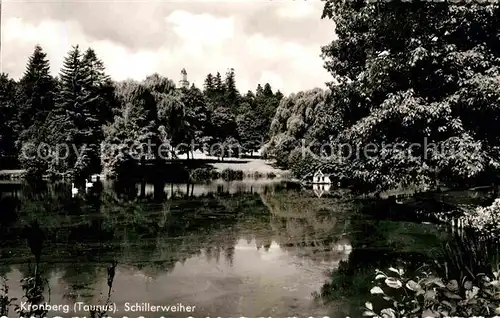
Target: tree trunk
point(143, 189)
point(159, 192)
point(495, 189)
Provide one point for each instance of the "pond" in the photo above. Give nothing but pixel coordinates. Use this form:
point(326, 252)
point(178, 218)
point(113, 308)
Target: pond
point(224, 249)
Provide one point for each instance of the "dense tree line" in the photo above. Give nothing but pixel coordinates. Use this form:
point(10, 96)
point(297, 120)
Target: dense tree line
point(106, 124)
point(404, 73)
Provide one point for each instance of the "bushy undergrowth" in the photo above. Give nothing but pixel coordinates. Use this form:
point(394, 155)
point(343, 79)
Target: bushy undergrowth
point(209, 174)
point(428, 295)
point(485, 220)
point(201, 174)
point(271, 175)
point(465, 283)
point(229, 174)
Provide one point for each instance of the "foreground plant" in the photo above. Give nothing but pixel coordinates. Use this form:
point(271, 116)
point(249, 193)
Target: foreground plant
point(430, 296)
point(5, 301)
point(33, 287)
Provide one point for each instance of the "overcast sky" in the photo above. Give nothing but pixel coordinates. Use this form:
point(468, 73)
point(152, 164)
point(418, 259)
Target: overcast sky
point(275, 41)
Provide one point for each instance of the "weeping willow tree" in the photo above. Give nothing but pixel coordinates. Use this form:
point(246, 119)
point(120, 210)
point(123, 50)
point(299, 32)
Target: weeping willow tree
point(304, 120)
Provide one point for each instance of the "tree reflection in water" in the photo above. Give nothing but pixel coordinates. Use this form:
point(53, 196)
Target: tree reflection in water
point(151, 228)
point(102, 308)
point(36, 288)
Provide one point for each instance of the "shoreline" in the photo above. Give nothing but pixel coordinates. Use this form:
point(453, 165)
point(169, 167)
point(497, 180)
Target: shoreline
point(247, 166)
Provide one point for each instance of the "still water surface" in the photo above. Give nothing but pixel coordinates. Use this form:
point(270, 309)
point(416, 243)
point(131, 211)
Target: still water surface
point(248, 248)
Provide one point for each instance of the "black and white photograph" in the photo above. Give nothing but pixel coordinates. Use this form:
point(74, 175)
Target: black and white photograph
point(249, 158)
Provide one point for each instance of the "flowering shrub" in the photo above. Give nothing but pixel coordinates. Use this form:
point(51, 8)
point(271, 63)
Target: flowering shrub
point(486, 220)
point(430, 296)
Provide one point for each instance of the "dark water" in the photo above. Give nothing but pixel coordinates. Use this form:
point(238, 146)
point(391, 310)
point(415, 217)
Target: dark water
point(224, 249)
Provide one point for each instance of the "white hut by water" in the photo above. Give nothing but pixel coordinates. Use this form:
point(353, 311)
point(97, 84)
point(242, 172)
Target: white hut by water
point(320, 178)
